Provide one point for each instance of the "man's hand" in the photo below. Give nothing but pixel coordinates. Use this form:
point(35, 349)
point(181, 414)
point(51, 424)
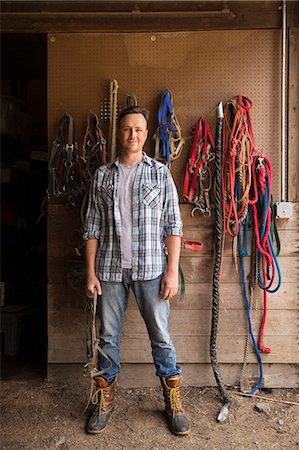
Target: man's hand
point(169, 285)
point(170, 281)
point(92, 283)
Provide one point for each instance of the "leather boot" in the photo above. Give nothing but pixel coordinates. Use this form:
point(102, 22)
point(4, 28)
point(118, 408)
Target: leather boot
point(103, 401)
point(178, 422)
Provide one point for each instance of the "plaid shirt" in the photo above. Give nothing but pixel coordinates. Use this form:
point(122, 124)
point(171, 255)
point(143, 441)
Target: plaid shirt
point(156, 214)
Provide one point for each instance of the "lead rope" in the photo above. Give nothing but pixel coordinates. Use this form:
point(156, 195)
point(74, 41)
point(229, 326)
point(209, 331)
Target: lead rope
point(217, 269)
point(93, 346)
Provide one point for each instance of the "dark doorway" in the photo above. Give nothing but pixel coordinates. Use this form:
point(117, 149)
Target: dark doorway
point(24, 161)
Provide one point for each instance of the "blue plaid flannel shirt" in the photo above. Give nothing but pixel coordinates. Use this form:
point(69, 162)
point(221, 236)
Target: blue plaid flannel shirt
point(156, 214)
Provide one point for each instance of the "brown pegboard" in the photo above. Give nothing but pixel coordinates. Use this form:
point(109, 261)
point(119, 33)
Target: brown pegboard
point(200, 68)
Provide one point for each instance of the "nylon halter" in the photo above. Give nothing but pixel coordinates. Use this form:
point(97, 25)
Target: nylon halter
point(168, 136)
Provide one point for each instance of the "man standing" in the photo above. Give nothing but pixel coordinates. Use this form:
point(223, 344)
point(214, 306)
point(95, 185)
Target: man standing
point(133, 208)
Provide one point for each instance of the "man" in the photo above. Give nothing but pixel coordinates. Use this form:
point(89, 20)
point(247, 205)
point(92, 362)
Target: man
point(133, 208)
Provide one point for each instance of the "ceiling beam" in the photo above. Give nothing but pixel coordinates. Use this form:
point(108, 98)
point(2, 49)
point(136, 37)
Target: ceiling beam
point(141, 16)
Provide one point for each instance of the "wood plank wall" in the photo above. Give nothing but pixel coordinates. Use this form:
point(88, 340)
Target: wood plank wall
point(190, 318)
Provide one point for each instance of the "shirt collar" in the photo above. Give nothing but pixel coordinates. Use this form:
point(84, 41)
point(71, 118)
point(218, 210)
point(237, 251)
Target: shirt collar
point(145, 158)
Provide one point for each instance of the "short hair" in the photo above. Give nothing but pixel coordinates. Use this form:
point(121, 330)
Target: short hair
point(134, 110)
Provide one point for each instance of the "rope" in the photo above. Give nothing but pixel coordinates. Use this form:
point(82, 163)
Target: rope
point(239, 146)
point(113, 117)
point(247, 305)
point(131, 97)
point(247, 186)
point(93, 346)
point(217, 268)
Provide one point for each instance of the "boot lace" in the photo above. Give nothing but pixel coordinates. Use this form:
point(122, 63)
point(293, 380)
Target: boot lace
point(175, 400)
point(99, 398)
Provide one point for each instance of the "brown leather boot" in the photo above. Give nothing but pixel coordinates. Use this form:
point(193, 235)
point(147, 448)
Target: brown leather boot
point(103, 401)
point(178, 422)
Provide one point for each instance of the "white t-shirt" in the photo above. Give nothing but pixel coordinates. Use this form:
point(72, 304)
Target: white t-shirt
point(126, 180)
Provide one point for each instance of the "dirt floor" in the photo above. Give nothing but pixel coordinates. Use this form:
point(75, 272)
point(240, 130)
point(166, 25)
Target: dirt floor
point(42, 415)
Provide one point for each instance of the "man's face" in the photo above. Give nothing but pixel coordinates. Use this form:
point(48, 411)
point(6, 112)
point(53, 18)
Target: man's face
point(132, 133)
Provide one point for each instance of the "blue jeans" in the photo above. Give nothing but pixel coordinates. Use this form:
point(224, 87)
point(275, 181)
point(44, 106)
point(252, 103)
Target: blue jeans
point(112, 306)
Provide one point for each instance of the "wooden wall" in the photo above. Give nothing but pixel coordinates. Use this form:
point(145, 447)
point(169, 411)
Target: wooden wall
point(190, 318)
point(188, 63)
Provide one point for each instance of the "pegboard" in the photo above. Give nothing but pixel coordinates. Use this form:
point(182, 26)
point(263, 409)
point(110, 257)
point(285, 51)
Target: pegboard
point(200, 68)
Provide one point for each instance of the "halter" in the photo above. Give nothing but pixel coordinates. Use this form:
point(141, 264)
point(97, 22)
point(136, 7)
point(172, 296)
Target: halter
point(168, 136)
point(64, 173)
point(198, 177)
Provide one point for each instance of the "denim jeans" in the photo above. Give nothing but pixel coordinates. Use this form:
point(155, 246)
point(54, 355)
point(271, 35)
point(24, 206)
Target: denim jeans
point(112, 306)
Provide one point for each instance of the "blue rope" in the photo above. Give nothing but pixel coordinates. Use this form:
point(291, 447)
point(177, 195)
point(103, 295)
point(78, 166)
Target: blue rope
point(165, 124)
point(248, 315)
point(261, 283)
point(241, 255)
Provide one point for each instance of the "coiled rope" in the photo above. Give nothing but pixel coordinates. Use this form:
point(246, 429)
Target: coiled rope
point(247, 187)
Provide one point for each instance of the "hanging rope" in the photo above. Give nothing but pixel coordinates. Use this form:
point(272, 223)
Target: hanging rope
point(113, 118)
point(131, 100)
point(217, 268)
point(247, 190)
point(237, 153)
point(168, 136)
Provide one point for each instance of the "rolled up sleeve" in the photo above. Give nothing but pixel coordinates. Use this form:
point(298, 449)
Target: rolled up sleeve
point(93, 217)
point(173, 225)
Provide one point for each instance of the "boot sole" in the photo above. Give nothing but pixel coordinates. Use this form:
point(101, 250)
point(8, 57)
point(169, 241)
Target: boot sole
point(184, 433)
point(97, 431)
point(102, 429)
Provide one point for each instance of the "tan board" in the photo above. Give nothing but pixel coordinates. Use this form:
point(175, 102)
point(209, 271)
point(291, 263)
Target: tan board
point(141, 375)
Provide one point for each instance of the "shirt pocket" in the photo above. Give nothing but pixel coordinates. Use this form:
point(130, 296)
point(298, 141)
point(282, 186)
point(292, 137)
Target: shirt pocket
point(106, 195)
point(151, 195)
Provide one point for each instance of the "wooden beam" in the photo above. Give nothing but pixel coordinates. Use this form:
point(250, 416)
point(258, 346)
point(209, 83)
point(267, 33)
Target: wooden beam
point(143, 375)
point(59, 17)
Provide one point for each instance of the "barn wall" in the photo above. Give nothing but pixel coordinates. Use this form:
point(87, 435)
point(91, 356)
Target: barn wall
point(200, 68)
